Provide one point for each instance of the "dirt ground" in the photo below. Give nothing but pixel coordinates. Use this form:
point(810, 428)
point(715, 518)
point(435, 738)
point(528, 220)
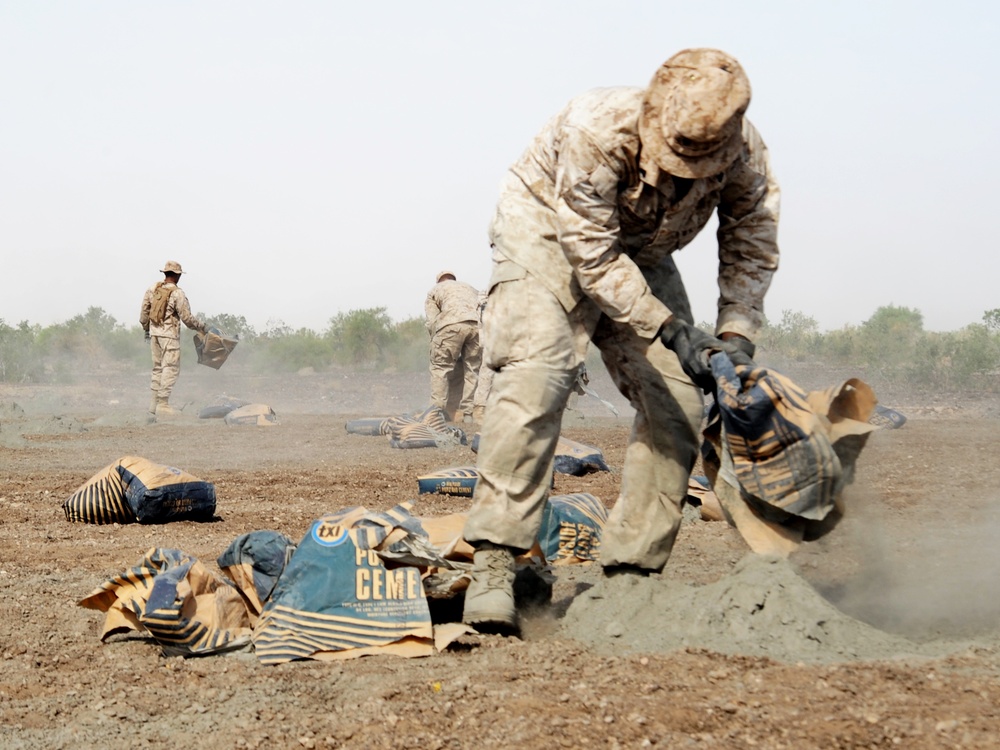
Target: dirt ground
point(884, 633)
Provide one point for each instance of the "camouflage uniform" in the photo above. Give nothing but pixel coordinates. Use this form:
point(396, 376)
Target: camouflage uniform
point(453, 324)
point(485, 384)
point(582, 240)
point(164, 339)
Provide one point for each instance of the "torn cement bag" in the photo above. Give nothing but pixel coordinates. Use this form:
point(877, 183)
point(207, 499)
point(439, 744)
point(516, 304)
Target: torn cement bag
point(136, 489)
point(214, 347)
point(174, 598)
point(433, 417)
point(259, 415)
point(791, 453)
point(254, 563)
point(337, 599)
point(571, 528)
point(419, 435)
point(460, 481)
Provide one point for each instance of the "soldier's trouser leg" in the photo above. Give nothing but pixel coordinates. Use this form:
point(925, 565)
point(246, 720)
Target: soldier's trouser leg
point(472, 359)
point(663, 446)
point(446, 348)
point(538, 349)
point(155, 348)
point(170, 366)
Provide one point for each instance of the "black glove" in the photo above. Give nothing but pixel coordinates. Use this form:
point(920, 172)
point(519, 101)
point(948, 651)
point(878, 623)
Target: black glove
point(742, 344)
point(693, 347)
point(147, 335)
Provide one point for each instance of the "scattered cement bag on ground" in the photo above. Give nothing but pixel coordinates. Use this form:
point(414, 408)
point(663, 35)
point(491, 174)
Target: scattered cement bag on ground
point(785, 453)
point(577, 459)
point(214, 347)
point(259, 415)
point(254, 563)
point(460, 481)
point(174, 598)
point(368, 426)
point(136, 489)
point(337, 599)
point(221, 408)
point(571, 457)
point(888, 418)
point(571, 528)
point(427, 428)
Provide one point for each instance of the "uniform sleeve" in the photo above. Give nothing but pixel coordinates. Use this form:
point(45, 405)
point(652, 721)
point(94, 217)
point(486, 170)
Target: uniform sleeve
point(748, 239)
point(431, 310)
point(184, 313)
point(147, 301)
point(587, 210)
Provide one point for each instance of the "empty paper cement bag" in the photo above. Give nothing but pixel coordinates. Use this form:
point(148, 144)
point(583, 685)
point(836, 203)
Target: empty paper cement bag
point(214, 347)
point(258, 415)
point(174, 598)
point(337, 599)
point(136, 489)
point(254, 562)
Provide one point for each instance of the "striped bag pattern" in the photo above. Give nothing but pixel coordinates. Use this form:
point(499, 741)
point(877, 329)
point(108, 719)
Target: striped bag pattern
point(571, 528)
point(158, 596)
point(100, 500)
point(781, 454)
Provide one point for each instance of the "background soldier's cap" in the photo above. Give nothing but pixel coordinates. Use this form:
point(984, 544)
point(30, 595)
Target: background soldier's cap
point(442, 274)
point(692, 113)
point(171, 266)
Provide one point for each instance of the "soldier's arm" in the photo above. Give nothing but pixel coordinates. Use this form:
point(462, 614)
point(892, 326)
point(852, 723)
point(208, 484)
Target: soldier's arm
point(587, 210)
point(748, 239)
point(147, 301)
point(184, 313)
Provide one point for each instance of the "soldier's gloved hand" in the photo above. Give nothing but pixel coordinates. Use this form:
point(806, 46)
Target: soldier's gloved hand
point(147, 335)
point(693, 347)
point(741, 343)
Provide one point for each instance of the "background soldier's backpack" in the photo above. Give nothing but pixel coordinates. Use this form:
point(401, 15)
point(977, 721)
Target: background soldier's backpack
point(158, 307)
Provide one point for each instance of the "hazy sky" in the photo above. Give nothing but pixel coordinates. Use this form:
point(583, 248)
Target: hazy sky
point(302, 159)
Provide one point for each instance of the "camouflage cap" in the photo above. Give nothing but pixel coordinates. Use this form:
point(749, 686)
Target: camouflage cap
point(443, 274)
point(172, 266)
point(692, 113)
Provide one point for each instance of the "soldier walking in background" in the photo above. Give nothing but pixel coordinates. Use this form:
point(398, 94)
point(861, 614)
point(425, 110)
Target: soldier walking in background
point(164, 308)
point(583, 236)
point(451, 311)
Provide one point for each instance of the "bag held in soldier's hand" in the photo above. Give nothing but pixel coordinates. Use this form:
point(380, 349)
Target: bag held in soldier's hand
point(214, 347)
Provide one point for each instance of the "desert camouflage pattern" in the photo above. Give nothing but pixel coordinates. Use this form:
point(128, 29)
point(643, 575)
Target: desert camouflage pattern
point(452, 319)
point(165, 346)
point(583, 210)
point(449, 302)
point(178, 311)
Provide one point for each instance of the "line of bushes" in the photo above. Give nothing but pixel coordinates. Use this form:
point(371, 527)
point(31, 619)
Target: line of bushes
point(891, 346)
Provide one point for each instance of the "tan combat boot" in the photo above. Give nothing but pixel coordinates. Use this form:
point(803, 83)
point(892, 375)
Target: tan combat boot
point(163, 409)
point(153, 403)
point(458, 417)
point(489, 600)
point(478, 414)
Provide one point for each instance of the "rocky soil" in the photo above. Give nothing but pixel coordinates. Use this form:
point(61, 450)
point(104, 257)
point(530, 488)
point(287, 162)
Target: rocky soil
point(885, 633)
